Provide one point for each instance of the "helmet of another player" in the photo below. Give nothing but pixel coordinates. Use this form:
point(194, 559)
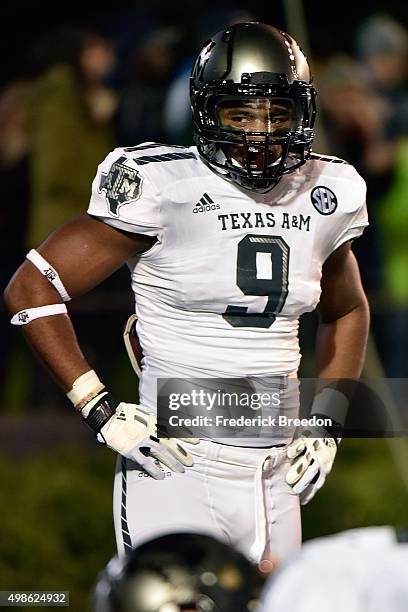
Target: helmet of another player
point(253, 104)
point(180, 571)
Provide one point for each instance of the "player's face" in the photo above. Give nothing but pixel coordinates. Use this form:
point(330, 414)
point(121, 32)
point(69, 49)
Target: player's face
point(257, 115)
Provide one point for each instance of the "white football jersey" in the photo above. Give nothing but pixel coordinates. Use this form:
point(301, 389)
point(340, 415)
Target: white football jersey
point(221, 290)
point(358, 570)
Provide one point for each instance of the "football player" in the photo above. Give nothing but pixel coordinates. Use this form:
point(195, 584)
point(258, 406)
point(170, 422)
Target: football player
point(228, 242)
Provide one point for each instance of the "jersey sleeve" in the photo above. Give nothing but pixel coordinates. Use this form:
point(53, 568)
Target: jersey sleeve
point(124, 197)
point(354, 217)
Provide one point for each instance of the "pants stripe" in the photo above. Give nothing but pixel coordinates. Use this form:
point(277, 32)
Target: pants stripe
point(127, 542)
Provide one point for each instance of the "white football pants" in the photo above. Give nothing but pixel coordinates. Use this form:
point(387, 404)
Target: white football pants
point(236, 494)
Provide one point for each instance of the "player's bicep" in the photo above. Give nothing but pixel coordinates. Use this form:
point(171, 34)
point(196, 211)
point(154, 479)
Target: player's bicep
point(341, 286)
point(84, 252)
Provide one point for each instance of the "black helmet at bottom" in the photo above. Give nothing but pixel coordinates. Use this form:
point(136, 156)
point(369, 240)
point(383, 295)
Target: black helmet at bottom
point(179, 571)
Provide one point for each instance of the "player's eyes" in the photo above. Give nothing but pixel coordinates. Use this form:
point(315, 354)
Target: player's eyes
point(247, 119)
point(241, 118)
point(280, 119)
point(284, 118)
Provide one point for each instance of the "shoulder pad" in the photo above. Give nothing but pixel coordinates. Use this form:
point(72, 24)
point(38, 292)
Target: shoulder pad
point(330, 159)
point(151, 152)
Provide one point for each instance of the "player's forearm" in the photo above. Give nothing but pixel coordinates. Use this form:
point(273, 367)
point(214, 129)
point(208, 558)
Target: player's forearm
point(341, 344)
point(81, 253)
point(51, 338)
point(54, 342)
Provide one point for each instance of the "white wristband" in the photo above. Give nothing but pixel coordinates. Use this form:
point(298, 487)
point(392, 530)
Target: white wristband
point(85, 387)
point(49, 272)
point(23, 317)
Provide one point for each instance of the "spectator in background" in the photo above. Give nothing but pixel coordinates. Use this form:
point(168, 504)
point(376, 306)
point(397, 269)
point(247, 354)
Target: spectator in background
point(14, 178)
point(72, 113)
point(353, 123)
point(366, 104)
point(382, 47)
point(382, 50)
point(72, 128)
point(177, 110)
point(394, 231)
point(14, 195)
point(149, 68)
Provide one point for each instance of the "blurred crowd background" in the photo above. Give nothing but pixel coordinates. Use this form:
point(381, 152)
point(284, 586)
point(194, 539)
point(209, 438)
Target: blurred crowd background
point(74, 87)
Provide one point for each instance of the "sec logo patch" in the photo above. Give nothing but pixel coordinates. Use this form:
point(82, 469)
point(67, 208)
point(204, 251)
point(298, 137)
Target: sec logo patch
point(324, 200)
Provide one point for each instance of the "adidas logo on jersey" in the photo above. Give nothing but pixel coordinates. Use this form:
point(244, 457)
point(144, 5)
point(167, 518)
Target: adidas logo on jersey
point(205, 204)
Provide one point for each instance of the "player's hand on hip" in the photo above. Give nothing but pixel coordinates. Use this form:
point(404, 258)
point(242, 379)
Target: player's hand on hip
point(311, 460)
point(131, 431)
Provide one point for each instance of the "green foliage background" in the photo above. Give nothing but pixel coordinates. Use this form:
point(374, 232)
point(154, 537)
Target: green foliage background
point(57, 528)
